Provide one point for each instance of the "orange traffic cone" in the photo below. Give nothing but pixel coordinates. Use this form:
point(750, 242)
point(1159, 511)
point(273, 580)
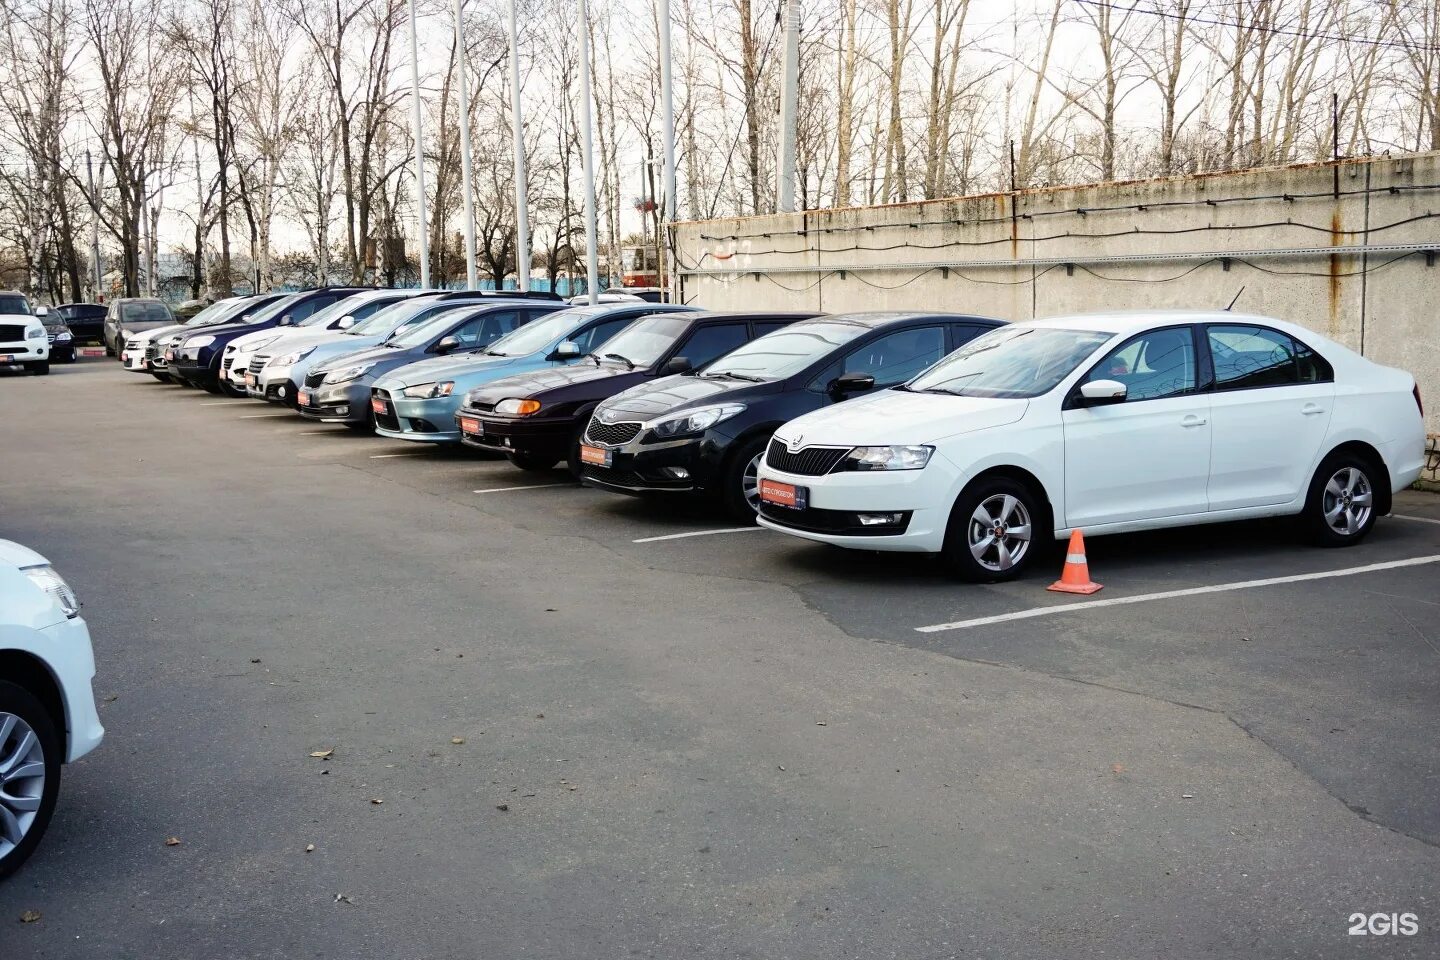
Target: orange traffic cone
point(1075, 575)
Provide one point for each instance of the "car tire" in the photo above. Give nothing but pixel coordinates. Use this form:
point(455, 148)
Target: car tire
point(1340, 509)
point(40, 368)
point(23, 716)
point(973, 552)
point(740, 482)
point(533, 462)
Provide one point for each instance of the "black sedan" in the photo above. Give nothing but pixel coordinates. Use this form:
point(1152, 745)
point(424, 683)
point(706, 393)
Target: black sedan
point(705, 433)
point(85, 320)
point(537, 419)
point(339, 391)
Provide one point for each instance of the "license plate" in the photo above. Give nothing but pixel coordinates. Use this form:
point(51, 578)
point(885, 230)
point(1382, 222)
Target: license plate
point(596, 455)
point(169, 354)
point(783, 494)
point(470, 425)
point(7, 358)
point(304, 398)
point(377, 405)
point(249, 379)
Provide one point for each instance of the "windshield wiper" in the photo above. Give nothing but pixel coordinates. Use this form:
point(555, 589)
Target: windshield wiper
point(630, 364)
point(494, 353)
point(747, 377)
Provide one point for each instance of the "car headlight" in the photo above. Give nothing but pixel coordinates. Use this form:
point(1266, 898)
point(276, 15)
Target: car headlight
point(517, 407)
point(64, 336)
point(427, 391)
point(697, 420)
point(38, 333)
point(887, 458)
point(290, 359)
point(52, 583)
point(346, 374)
point(195, 343)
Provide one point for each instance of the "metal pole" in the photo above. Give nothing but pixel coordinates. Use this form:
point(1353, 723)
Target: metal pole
point(419, 133)
point(522, 215)
point(472, 282)
point(785, 202)
point(667, 135)
point(592, 264)
point(94, 227)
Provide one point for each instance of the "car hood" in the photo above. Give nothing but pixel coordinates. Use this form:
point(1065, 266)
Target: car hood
point(668, 394)
point(136, 326)
point(466, 366)
point(293, 340)
point(894, 416)
point(13, 554)
point(24, 318)
point(162, 331)
point(554, 378)
point(385, 359)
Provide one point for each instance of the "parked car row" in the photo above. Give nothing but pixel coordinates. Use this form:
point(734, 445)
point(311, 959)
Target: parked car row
point(963, 436)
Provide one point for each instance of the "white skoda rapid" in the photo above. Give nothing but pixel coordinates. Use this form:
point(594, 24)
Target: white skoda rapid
point(1104, 423)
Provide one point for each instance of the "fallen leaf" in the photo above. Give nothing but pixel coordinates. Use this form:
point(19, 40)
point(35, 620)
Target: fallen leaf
point(172, 841)
point(112, 698)
point(819, 723)
point(322, 754)
point(782, 768)
point(309, 848)
point(539, 716)
point(457, 740)
point(1117, 768)
point(1187, 796)
point(30, 916)
point(502, 806)
point(376, 800)
point(343, 898)
point(254, 659)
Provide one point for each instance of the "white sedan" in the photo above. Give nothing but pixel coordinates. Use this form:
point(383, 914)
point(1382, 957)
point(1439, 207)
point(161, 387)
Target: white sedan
point(1106, 424)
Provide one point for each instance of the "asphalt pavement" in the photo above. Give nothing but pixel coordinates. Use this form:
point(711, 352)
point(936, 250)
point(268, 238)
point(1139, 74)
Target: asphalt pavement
point(557, 723)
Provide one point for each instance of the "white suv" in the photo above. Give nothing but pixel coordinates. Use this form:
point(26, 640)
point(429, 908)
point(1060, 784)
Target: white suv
point(47, 708)
point(22, 336)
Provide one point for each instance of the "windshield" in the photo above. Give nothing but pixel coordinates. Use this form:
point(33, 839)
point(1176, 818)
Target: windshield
point(325, 316)
point(14, 306)
point(777, 355)
point(214, 313)
point(397, 316)
point(539, 333)
point(645, 340)
point(277, 309)
point(412, 335)
point(1010, 362)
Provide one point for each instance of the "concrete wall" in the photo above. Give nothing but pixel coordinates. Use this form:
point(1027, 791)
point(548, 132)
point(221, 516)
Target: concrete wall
point(1192, 242)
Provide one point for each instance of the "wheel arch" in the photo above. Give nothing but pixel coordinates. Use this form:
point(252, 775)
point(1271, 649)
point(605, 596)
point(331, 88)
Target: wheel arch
point(1367, 452)
point(1020, 475)
point(30, 672)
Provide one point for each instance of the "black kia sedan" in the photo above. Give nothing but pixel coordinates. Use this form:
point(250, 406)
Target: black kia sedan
point(537, 419)
point(339, 390)
point(705, 433)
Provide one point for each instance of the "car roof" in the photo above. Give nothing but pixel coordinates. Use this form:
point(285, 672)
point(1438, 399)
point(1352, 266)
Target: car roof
point(1128, 321)
point(881, 318)
point(751, 315)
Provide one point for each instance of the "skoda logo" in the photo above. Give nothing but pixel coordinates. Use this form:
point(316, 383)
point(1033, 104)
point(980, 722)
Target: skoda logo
point(794, 444)
point(607, 416)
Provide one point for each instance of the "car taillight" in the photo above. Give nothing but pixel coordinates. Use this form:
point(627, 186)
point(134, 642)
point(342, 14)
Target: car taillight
point(1418, 402)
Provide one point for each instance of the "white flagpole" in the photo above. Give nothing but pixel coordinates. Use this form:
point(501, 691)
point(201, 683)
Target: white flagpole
point(667, 120)
point(419, 132)
point(522, 214)
point(592, 265)
point(472, 282)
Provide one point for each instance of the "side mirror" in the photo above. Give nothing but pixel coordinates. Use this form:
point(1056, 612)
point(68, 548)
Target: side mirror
point(286, 321)
point(345, 322)
point(565, 350)
point(1096, 393)
point(42, 311)
point(447, 344)
point(852, 383)
point(676, 365)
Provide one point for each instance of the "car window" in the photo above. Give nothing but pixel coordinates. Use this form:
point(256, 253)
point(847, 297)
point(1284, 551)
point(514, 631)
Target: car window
point(896, 357)
point(487, 327)
point(763, 327)
point(963, 333)
point(158, 313)
point(14, 305)
point(647, 340)
point(132, 312)
point(302, 310)
point(713, 341)
point(1012, 361)
point(601, 332)
point(1160, 363)
point(1247, 357)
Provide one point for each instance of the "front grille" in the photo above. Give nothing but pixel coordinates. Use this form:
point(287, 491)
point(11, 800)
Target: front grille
point(479, 407)
point(129, 344)
point(621, 478)
point(226, 363)
point(151, 351)
point(611, 434)
point(809, 462)
point(257, 363)
point(313, 380)
point(387, 419)
point(11, 331)
point(838, 522)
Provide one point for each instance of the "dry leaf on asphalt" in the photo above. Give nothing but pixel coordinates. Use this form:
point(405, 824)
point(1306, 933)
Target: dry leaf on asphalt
point(30, 916)
point(309, 848)
point(343, 898)
point(376, 800)
point(172, 841)
point(322, 754)
point(457, 740)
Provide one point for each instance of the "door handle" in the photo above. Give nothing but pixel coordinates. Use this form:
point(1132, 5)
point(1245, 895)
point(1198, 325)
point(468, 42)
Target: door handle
point(1193, 421)
point(1310, 409)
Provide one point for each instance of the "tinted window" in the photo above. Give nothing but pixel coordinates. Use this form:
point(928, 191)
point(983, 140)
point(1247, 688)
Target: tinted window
point(763, 327)
point(707, 343)
point(302, 310)
point(488, 327)
point(158, 313)
point(896, 357)
point(1157, 364)
point(963, 333)
point(597, 335)
point(1247, 356)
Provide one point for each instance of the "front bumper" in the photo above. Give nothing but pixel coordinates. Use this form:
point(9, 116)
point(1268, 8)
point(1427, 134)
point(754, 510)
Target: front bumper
point(338, 402)
point(133, 357)
point(529, 436)
point(276, 385)
point(24, 351)
point(921, 498)
point(421, 421)
point(74, 668)
point(691, 465)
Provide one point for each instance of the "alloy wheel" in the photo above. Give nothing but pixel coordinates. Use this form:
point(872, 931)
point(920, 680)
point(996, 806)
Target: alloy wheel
point(22, 780)
point(750, 481)
point(1347, 501)
point(999, 532)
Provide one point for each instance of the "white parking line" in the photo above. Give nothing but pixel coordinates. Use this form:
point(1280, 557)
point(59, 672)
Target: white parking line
point(263, 416)
point(228, 403)
point(317, 433)
point(697, 533)
point(1401, 516)
point(533, 486)
point(1171, 594)
point(387, 456)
